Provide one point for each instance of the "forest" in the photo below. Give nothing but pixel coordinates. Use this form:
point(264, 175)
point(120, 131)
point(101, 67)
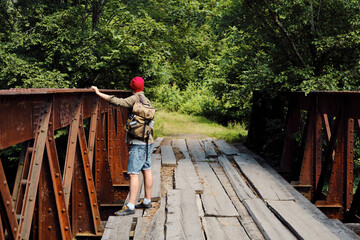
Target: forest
point(202, 57)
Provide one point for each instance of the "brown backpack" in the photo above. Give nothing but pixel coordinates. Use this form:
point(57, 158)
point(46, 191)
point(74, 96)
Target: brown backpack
point(138, 123)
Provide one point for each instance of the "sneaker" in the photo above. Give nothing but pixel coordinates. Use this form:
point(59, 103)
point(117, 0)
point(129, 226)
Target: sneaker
point(124, 211)
point(142, 205)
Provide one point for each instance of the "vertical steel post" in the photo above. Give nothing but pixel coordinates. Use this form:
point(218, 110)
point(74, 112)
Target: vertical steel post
point(348, 162)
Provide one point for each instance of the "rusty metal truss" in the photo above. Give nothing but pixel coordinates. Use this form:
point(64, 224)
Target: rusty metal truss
point(56, 198)
point(323, 160)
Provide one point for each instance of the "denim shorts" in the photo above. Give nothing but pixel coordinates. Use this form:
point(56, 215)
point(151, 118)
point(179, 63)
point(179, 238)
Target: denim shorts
point(137, 158)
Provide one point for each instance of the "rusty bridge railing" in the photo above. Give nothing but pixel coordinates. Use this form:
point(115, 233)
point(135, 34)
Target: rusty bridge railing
point(320, 145)
point(61, 194)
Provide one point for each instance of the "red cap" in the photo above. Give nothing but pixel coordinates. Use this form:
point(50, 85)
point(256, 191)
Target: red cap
point(137, 84)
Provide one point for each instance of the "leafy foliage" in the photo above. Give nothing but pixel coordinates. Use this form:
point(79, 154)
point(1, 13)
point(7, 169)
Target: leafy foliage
point(201, 57)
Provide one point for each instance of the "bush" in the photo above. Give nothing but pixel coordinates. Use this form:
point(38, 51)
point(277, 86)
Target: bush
point(197, 99)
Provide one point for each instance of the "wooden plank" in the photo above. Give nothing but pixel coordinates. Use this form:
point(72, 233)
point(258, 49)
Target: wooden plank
point(142, 225)
point(269, 225)
point(156, 227)
point(209, 148)
point(181, 145)
point(245, 219)
point(167, 142)
point(156, 172)
point(181, 207)
point(138, 213)
point(157, 143)
point(224, 147)
point(118, 228)
point(299, 221)
point(199, 206)
point(265, 184)
point(240, 186)
point(196, 151)
point(342, 231)
point(335, 226)
point(215, 200)
point(223, 228)
point(167, 156)
point(186, 177)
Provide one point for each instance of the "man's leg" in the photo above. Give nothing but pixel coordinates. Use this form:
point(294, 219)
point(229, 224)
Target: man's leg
point(148, 183)
point(134, 182)
point(134, 187)
point(130, 206)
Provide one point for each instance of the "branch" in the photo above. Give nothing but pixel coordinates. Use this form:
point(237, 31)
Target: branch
point(12, 1)
point(283, 30)
point(271, 31)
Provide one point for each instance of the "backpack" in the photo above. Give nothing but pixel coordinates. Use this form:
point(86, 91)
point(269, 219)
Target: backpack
point(138, 124)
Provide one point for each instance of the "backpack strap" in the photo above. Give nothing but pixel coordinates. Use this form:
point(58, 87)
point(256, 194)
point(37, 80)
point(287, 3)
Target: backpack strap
point(147, 146)
point(141, 100)
point(143, 134)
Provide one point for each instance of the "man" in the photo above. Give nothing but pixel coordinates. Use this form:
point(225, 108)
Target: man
point(137, 154)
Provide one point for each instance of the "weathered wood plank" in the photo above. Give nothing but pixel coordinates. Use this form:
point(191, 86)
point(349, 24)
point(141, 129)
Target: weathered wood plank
point(181, 222)
point(196, 150)
point(335, 226)
point(156, 227)
point(118, 228)
point(265, 184)
point(157, 143)
point(199, 206)
point(241, 188)
point(223, 228)
point(269, 225)
point(156, 172)
point(303, 225)
point(167, 155)
point(138, 213)
point(209, 148)
point(224, 147)
point(246, 221)
point(142, 225)
point(342, 231)
point(215, 200)
point(181, 145)
point(186, 177)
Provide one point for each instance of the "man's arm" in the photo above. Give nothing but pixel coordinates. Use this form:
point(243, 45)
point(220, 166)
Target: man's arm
point(123, 102)
point(100, 94)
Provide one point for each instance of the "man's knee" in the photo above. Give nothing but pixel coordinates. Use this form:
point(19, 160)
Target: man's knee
point(146, 171)
point(134, 178)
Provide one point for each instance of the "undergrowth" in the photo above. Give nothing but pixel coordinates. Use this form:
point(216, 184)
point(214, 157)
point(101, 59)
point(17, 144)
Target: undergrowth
point(168, 123)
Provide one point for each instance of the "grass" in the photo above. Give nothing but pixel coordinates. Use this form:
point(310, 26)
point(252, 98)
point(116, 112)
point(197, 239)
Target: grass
point(168, 123)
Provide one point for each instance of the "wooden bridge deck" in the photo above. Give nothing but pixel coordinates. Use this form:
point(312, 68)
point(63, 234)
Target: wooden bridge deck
point(207, 189)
